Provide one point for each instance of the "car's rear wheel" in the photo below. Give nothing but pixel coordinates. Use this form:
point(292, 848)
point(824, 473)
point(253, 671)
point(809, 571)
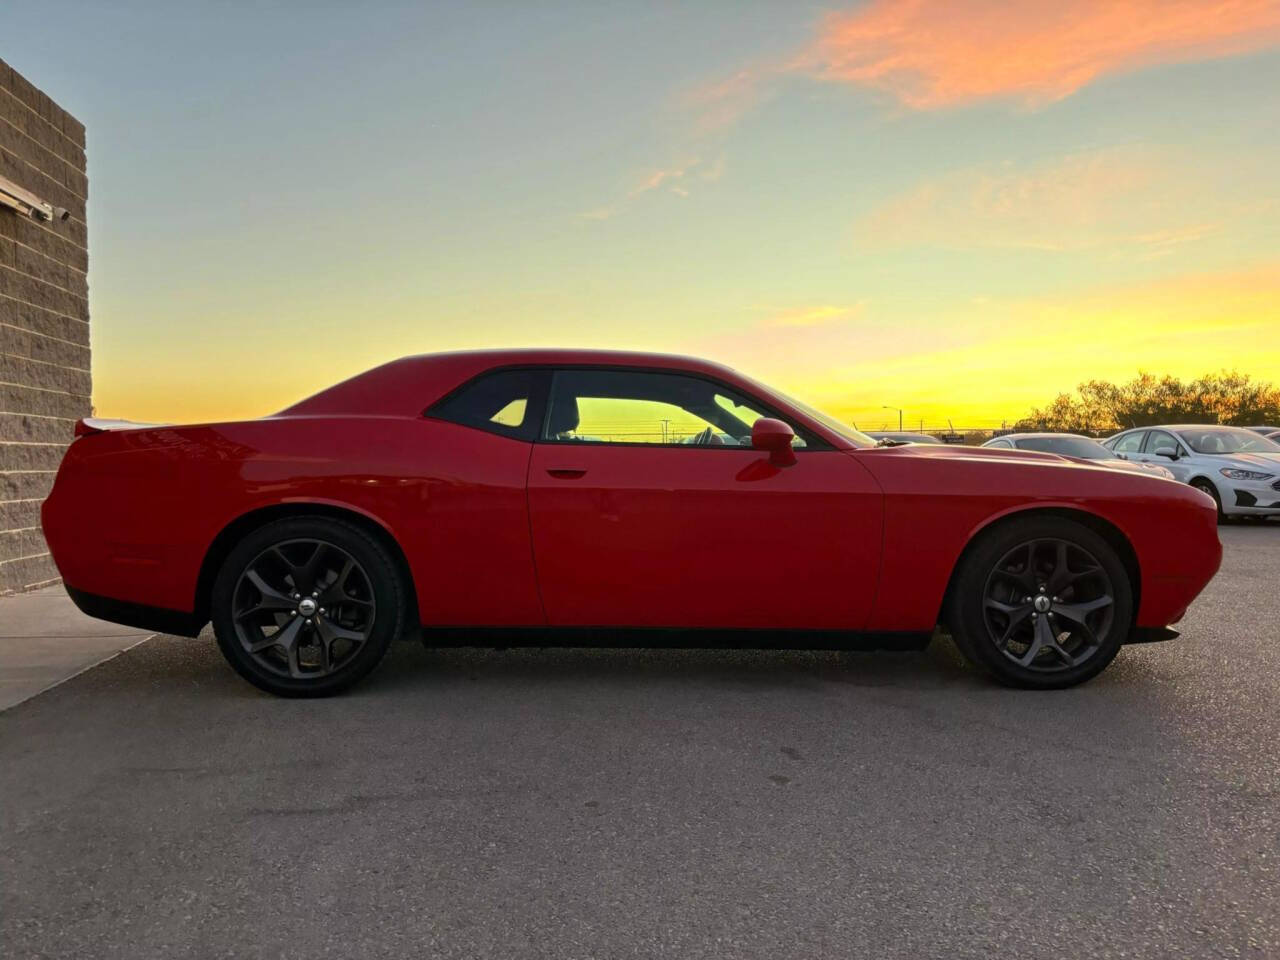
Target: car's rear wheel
point(1204, 486)
point(307, 606)
point(1043, 602)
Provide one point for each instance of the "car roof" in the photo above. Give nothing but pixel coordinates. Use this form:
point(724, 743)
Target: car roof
point(405, 387)
point(1184, 426)
point(557, 356)
point(410, 383)
point(564, 355)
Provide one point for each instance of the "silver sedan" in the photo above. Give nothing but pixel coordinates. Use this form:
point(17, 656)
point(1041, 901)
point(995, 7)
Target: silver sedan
point(1239, 468)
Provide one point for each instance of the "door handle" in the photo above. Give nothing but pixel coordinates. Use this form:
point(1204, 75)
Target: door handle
point(567, 473)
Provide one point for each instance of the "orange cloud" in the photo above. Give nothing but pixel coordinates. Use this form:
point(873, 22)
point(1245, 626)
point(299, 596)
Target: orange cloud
point(941, 53)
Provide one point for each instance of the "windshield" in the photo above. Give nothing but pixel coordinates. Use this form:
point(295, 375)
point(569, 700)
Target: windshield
point(855, 437)
point(1081, 447)
point(1227, 440)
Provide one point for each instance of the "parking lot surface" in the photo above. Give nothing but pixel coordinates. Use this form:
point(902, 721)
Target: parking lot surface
point(589, 803)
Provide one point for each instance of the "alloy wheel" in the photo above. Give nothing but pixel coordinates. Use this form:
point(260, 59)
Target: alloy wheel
point(303, 608)
point(1048, 605)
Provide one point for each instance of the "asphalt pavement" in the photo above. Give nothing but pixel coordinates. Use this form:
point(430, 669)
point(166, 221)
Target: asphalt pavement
point(595, 804)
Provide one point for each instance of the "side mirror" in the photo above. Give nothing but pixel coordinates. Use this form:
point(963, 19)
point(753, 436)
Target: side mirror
point(1170, 452)
point(774, 437)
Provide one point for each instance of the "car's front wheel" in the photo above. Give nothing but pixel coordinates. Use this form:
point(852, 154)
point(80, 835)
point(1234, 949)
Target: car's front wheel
point(1043, 602)
point(307, 606)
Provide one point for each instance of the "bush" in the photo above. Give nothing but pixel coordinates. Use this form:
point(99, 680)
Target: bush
point(1101, 407)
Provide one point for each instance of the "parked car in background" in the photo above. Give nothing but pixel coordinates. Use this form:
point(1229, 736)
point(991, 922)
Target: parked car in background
point(1078, 448)
point(1239, 468)
point(904, 437)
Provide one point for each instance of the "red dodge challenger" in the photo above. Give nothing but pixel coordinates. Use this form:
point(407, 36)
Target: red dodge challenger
point(566, 497)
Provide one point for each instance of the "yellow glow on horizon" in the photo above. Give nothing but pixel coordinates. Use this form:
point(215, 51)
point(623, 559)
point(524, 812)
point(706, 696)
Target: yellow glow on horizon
point(1032, 350)
point(1014, 355)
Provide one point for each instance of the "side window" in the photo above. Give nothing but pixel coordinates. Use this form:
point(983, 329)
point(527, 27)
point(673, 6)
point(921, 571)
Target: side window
point(1002, 444)
point(1159, 438)
point(506, 402)
point(1130, 442)
point(632, 406)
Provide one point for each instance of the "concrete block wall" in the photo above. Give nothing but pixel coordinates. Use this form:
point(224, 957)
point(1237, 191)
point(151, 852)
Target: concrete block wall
point(44, 320)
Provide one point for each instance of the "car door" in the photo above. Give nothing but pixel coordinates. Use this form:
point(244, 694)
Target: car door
point(649, 508)
point(1157, 439)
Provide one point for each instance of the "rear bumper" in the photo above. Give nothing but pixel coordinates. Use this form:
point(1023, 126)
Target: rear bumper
point(138, 615)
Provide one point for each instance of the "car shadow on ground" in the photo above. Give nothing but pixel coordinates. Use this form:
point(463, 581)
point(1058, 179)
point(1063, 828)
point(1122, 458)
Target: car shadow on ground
point(413, 668)
point(195, 670)
point(938, 665)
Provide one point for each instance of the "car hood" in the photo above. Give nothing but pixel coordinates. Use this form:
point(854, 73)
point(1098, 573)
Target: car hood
point(1037, 457)
point(1265, 460)
point(958, 452)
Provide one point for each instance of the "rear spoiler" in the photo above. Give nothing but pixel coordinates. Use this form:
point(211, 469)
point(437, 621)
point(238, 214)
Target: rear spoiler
point(91, 425)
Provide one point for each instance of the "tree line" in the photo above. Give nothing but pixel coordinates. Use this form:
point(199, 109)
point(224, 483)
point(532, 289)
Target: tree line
point(1099, 406)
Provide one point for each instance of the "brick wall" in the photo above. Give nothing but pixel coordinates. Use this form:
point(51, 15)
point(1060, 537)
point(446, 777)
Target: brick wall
point(44, 320)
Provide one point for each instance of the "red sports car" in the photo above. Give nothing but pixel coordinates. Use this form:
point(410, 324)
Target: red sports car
point(565, 497)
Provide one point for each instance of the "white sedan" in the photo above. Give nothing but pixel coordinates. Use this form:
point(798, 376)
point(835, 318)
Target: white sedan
point(1240, 469)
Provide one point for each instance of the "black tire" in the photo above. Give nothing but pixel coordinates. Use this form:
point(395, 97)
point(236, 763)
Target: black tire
point(1204, 486)
point(370, 602)
point(995, 592)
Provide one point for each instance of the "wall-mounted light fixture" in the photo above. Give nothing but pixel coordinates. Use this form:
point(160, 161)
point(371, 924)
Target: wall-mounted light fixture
point(27, 203)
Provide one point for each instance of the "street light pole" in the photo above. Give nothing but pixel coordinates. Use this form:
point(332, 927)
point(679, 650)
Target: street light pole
point(886, 407)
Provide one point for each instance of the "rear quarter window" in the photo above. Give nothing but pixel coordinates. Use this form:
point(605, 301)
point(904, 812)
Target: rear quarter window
point(506, 402)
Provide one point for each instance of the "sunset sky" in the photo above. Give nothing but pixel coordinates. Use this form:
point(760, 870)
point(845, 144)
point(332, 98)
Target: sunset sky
point(955, 207)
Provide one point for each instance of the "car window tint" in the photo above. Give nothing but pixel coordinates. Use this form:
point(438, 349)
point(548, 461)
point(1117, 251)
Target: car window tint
point(630, 406)
point(1130, 442)
point(1157, 439)
point(502, 402)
